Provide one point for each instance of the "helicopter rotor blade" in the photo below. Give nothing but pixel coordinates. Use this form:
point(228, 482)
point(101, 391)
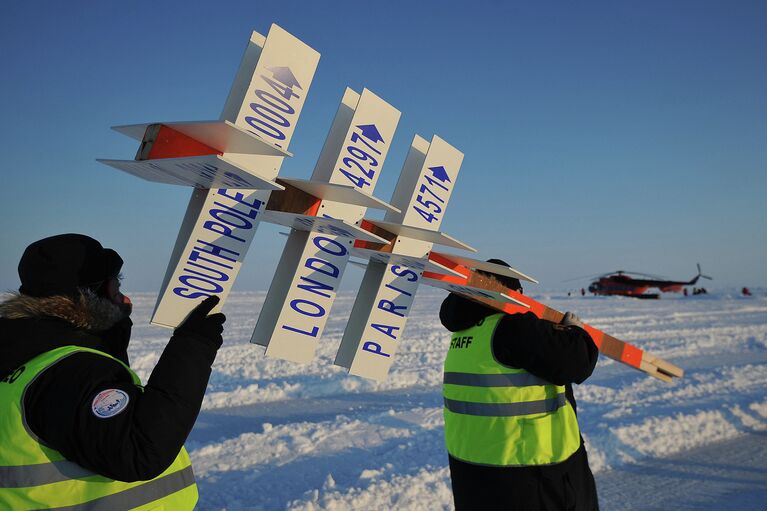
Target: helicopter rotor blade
point(640, 274)
point(701, 274)
point(656, 277)
point(582, 277)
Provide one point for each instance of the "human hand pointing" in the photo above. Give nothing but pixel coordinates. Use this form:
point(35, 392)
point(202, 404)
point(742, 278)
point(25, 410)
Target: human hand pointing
point(200, 324)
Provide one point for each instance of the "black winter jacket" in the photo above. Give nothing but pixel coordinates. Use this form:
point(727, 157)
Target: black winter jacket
point(143, 439)
point(561, 355)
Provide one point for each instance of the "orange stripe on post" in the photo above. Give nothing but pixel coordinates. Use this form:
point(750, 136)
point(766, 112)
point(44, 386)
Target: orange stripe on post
point(362, 243)
point(596, 335)
point(372, 245)
point(452, 279)
point(628, 355)
point(536, 308)
point(449, 263)
point(631, 355)
point(312, 210)
point(368, 226)
point(510, 308)
point(608, 345)
point(170, 143)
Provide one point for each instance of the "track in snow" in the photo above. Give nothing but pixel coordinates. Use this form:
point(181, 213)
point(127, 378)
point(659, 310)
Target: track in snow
point(276, 435)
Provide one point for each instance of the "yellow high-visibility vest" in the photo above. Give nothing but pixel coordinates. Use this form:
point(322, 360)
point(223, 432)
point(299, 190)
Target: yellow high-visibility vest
point(498, 415)
point(34, 476)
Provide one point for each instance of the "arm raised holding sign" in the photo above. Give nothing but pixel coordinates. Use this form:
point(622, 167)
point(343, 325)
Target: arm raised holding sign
point(69, 392)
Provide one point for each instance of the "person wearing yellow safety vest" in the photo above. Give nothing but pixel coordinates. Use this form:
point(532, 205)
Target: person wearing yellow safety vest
point(511, 430)
point(77, 429)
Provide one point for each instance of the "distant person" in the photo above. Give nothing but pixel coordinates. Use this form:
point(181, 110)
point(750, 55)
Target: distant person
point(72, 408)
point(746, 291)
point(684, 291)
point(583, 292)
point(511, 429)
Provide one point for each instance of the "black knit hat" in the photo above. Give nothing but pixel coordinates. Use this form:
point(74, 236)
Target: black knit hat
point(60, 264)
point(509, 282)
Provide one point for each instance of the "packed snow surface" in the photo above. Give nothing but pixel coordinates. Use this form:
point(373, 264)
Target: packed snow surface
point(277, 435)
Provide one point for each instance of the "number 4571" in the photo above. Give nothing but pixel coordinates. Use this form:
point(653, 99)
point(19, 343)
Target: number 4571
point(432, 208)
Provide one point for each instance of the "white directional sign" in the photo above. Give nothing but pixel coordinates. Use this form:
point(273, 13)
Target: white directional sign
point(388, 288)
point(211, 171)
point(266, 100)
point(191, 154)
point(233, 164)
point(304, 286)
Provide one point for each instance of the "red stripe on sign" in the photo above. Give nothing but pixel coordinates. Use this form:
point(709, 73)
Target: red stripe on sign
point(452, 279)
point(536, 308)
point(174, 144)
point(312, 211)
point(449, 263)
point(510, 308)
point(596, 335)
point(631, 355)
point(368, 226)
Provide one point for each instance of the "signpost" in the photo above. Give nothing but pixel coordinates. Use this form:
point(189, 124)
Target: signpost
point(487, 291)
point(304, 286)
point(233, 165)
point(388, 288)
point(245, 148)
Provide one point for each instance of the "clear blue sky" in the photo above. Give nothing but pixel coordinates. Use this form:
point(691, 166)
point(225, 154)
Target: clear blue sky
point(598, 135)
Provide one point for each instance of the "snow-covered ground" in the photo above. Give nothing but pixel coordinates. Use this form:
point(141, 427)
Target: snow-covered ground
point(277, 435)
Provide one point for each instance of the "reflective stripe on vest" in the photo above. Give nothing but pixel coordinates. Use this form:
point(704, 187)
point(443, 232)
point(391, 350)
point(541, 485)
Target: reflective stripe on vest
point(505, 409)
point(498, 415)
point(33, 476)
point(493, 380)
point(40, 474)
point(137, 496)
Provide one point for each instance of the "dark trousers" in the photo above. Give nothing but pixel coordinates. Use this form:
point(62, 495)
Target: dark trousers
point(566, 486)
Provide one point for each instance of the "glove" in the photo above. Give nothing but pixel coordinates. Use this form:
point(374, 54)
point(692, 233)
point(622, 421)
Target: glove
point(571, 319)
point(199, 324)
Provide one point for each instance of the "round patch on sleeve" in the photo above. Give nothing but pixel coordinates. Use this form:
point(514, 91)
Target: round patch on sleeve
point(109, 403)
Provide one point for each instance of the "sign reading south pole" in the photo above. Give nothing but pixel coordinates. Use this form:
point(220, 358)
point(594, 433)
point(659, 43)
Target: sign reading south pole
point(266, 99)
point(305, 284)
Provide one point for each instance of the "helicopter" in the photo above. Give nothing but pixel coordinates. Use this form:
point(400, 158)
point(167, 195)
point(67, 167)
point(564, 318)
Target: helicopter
point(634, 284)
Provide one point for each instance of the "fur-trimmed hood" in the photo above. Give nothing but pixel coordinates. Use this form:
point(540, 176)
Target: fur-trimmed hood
point(31, 325)
point(87, 312)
